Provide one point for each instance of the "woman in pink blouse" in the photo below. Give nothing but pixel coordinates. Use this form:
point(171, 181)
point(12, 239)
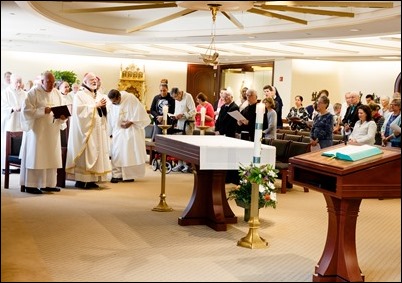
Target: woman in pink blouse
point(201, 99)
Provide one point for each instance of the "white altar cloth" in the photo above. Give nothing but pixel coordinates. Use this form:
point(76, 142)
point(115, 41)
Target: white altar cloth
point(224, 153)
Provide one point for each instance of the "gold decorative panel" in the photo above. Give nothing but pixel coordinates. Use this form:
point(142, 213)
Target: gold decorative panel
point(132, 80)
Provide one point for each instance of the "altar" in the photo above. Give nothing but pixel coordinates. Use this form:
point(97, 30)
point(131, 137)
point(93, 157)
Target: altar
point(211, 156)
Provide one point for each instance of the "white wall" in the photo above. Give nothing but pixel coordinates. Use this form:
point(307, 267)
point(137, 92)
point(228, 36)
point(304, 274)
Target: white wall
point(30, 65)
point(299, 77)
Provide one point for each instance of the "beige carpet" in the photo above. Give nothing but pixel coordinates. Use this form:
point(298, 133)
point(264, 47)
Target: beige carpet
point(112, 234)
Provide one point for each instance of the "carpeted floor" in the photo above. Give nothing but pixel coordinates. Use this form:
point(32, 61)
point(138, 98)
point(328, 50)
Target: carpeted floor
point(112, 235)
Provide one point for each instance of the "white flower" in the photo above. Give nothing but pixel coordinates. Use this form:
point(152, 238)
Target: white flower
point(272, 195)
point(261, 188)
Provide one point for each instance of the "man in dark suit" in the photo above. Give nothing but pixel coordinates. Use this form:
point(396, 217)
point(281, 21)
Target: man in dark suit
point(351, 115)
point(226, 124)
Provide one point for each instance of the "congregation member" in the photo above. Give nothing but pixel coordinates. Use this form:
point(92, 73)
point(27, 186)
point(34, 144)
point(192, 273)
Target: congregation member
point(351, 115)
point(298, 116)
point(321, 131)
point(247, 125)
point(127, 119)
point(88, 143)
point(225, 124)
point(219, 102)
point(385, 107)
point(270, 131)
point(365, 128)
point(201, 99)
point(379, 120)
point(271, 91)
point(391, 129)
point(184, 111)
point(242, 102)
point(159, 101)
point(41, 146)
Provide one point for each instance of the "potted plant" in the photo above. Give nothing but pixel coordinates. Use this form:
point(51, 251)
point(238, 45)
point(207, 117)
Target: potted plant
point(262, 175)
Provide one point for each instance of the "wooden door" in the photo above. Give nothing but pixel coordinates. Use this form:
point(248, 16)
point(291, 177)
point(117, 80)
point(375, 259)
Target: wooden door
point(202, 78)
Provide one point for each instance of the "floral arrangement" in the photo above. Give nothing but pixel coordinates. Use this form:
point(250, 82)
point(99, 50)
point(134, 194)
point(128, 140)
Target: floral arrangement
point(264, 176)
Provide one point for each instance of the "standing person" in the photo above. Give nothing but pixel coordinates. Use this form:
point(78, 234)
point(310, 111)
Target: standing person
point(6, 81)
point(379, 120)
point(385, 107)
point(88, 143)
point(391, 136)
point(270, 131)
point(248, 124)
point(219, 102)
point(127, 120)
point(365, 128)
point(209, 112)
point(321, 132)
point(298, 116)
point(242, 102)
point(271, 91)
point(64, 88)
point(12, 99)
point(41, 146)
point(160, 100)
point(351, 115)
point(184, 109)
point(225, 124)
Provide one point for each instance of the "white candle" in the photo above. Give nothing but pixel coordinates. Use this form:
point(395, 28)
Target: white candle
point(260, 110)
point(203, 111)
point(165, 110)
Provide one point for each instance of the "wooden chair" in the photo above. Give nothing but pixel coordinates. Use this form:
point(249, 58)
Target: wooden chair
point(295, 148)
point(286, 131)
point(149, 144)
point(337, 137)
point(292, 137)
point(306, 139)
point(13, 146)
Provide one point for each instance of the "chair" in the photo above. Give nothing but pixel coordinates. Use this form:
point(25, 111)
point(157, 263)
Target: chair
point(13, 146)
point(337, 137)
point(292, 137)
point(285, 131)
point(149, 144)
point(281, 149)
point(207, 133)
point(306, 139)
point(295, 148)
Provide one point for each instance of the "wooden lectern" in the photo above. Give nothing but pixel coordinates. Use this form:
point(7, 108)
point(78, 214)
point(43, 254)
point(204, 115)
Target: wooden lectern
point(211, 156)
point(344, 185)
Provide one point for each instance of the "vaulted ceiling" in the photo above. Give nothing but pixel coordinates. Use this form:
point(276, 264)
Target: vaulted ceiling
point(245, 31)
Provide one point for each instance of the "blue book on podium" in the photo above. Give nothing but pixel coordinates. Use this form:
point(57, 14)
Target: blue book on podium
point(353, 152)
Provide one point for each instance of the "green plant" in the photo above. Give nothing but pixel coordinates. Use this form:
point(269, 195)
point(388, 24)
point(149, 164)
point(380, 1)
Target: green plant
point(68, 76)
point(264, 176)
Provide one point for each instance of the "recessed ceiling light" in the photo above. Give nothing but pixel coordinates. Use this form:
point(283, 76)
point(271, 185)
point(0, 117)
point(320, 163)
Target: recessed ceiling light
point(354, 29)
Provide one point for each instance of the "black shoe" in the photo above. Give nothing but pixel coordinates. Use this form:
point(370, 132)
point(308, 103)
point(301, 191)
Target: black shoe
point(129, 181)
point(116, 180)
point(80, 185)
point(49, 189)
point(91, 185)
point(32, 190)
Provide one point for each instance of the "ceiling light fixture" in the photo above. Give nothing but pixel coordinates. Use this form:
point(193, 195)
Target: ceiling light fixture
point(211, 55)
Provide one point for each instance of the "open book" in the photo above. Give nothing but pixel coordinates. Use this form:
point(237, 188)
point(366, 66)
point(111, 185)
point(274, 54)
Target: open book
point(61, 110)
point(353, 152)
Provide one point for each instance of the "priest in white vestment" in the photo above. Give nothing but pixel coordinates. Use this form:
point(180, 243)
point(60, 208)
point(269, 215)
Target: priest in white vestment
point(88, 143)
point(41, 147)
point(127, 119)
point(12, 99)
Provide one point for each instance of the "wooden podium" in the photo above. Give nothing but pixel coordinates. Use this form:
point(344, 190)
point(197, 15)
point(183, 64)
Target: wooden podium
point(211, 156)
point(344, 185)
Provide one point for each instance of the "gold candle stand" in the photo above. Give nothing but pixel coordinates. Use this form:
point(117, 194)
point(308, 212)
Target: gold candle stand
point(202, 129)
point(162, 206)
point(252, 240)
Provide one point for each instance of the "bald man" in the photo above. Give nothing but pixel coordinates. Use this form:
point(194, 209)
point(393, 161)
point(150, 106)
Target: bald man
point(41, 145)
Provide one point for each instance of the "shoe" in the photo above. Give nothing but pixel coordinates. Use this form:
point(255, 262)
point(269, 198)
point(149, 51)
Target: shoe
point(80, 185)
point(128, 181)
point(186, 169)
point(116, 180)
point(91, 185)
point(49, 189)
point(32, 190)
point(177, 168)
